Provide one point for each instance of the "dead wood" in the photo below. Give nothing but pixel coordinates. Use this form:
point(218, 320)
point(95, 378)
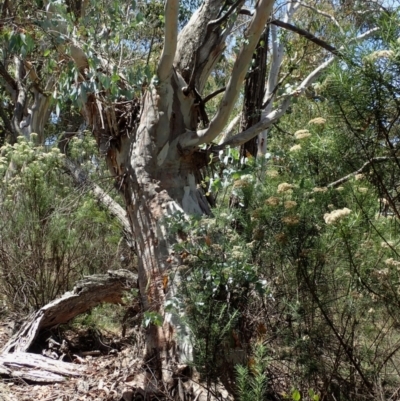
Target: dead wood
point(87, 293)
point(37, 368)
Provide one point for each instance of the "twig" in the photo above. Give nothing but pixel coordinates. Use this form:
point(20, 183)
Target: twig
point(213, 94)
point(359, 171)
point(308, 36)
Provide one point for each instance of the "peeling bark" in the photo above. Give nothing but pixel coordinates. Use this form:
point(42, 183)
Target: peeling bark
point(160, 179)
point(37, 368)
point(254, 94)
point(252, 35)
point(200, 44)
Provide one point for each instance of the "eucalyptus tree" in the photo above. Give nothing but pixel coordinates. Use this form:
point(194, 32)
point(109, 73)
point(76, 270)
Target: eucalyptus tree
point(143, 98)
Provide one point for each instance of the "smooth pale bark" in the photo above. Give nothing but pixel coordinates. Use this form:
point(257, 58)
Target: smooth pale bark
point(239, 70)
point(273, 76)
point(170, 38)
point(231, 129)
point(159, 181)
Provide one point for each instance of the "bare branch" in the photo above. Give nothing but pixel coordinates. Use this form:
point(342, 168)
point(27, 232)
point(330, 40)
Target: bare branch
point(86, 294)
point(230, 129)
point(10, 81)
point(363, 36)
point(364, 167)
point(213, 94)
point(101, 196)
point(250, 133)
point(312, 77)
point(323, 13)
point(170, 39)
point(273, 116)
point(239, 70)
point(307, 35)
point(231, 9)
point(302, 32)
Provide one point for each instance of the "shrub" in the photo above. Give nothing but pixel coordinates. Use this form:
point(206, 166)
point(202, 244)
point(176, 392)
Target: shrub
point(51, 233)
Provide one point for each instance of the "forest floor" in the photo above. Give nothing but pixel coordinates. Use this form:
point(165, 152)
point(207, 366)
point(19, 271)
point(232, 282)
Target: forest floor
point(111, 361)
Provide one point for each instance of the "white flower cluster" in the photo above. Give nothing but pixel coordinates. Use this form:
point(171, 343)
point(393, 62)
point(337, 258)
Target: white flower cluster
point(320, 189)
point(379, 54)
point(295, 148)
point(285, 187)
point(392, 262)
point(317, 121)
point(335, 215)
point(302, 134)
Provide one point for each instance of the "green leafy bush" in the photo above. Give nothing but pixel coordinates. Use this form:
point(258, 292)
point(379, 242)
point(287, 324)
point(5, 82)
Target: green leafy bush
point(51, 233)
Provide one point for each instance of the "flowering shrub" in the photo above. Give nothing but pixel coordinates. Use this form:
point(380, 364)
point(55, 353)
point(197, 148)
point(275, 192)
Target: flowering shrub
point(51, 232)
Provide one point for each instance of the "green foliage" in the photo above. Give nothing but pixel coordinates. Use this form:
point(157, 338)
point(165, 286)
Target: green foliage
point(51, 233)
point(306, 258)
point(152, 318)
point(296, 280)
point(251, 381)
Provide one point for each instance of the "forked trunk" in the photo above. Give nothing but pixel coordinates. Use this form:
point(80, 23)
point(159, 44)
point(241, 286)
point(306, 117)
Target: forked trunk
point(158, 180)
point(156, 164)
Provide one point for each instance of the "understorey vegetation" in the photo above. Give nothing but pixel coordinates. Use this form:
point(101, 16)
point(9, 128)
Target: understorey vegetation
point(241, 157)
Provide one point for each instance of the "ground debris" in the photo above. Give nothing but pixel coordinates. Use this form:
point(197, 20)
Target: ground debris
point(98, 363)
point(104, 379)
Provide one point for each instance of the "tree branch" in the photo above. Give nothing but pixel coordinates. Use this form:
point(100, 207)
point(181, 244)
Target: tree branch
point(8, 78)
point(308, 36)
point(302, 32)
point(239, 71)
point(323, 13)
point(101, 196)
point(86, 294)
point(364, 167)
point(272, 117)
point(213, 94)
point(170, 39)
point(250, 133)
point(230, 129)
point(225, 17)
point(201, 43)
point(273, 76)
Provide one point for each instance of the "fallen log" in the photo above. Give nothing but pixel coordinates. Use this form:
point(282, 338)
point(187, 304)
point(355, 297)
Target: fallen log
point(38, 368)
point(15, 359)
point(87, 293)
